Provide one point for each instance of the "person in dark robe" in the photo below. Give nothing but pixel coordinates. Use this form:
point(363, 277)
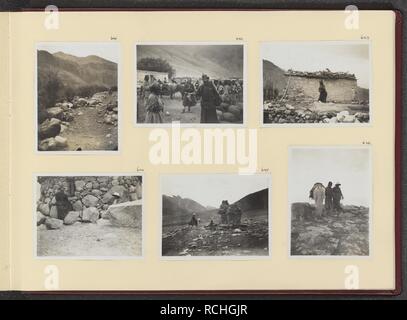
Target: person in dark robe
point(194, 221)
point(328, 197)
point(62, 203)
point(188, 99)
point(322, 92)
point(337, 196)
point(209, 100)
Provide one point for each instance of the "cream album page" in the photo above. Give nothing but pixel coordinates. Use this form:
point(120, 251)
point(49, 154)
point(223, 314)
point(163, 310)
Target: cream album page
point(223, 150)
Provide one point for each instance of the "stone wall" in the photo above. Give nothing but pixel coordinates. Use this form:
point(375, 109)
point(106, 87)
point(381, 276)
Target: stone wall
point(88, 192)
point(339, 90)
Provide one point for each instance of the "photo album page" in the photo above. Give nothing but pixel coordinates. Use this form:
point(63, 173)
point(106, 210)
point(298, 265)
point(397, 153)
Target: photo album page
point(199, 151)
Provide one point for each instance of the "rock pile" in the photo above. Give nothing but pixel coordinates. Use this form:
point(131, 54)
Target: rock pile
point(92, 199)
point(58, 118)
point(281, 112)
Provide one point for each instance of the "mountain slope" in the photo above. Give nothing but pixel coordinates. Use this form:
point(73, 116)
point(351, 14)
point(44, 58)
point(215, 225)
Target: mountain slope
point(273, 76)
point(69, 74)
point(217, 61)
point(177, 210)
point(254, 201)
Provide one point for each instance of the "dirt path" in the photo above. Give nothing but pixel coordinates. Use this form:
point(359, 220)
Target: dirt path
point(89, 240)
point(88, 132)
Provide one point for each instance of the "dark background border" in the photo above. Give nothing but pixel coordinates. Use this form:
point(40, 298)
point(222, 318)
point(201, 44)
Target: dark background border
point(399, 5)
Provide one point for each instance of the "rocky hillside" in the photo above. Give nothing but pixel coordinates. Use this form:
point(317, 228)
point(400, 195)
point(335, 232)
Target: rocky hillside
point(218, 61)
point(61, 76)
point(346, 234)
point(273, 76)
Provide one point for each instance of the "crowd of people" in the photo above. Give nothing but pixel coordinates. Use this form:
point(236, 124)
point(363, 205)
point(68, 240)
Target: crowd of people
point(210, 93)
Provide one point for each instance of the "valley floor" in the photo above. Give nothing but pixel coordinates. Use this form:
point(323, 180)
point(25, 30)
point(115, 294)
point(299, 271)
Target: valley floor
point(249, 239)
point(89, 240)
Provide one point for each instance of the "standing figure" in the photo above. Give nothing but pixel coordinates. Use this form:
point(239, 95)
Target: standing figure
point(188, 99)
point(154, 106)
point(209, 100)
point(223, 212)
point(322, 92)
point(318, 194)
point(62, 203)
point(337, 197)
point(194, 221)
point(329, 197)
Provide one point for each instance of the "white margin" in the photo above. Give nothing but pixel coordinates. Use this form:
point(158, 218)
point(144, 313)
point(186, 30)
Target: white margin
point(119, 102)
point(318, 125)
point(106, 258)
point(268, 256)
point(335, 257)
point(191, 125)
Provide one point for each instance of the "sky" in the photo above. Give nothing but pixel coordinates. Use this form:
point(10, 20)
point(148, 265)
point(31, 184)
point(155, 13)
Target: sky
point(348, 166)
point(210, 190)
point(349, 57)
point(108, 51)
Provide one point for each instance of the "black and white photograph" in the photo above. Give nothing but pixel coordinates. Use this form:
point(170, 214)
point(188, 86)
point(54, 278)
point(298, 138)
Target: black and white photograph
point(194, 83)
point(215, 215)
point(330, 201)
point(77, 97)
point(324, 83)
point(89, 216)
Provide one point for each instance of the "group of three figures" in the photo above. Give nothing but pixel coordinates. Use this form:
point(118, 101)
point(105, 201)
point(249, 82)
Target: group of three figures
point(332, 197)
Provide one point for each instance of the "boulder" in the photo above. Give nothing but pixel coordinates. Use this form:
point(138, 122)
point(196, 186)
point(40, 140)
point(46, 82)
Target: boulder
point(133, 196)
point(302, 211)
point(79, 185)
point(77, 205)
point(235, 111)
point(122, 191)
point(49, 128)
point(61, 142)
point(126, 214)
point(229, 117)
point(48, 145)
point(96, 192)
point(71, 217)
point(53, 213)
point(349, 119)
point(81, 102)
point(219, 114)
point(90, 201)
point(341, 115)
point(90, 215)
point(40, 218)
point(43, 208)
point(55, 112)
point(52, 223)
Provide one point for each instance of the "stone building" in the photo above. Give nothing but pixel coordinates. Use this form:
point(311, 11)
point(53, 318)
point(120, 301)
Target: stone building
point(340, 86)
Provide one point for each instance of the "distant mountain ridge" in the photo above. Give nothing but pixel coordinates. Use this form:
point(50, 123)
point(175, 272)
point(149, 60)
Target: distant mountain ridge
point(71, 74)
point(178, 210)
point(217, 61)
